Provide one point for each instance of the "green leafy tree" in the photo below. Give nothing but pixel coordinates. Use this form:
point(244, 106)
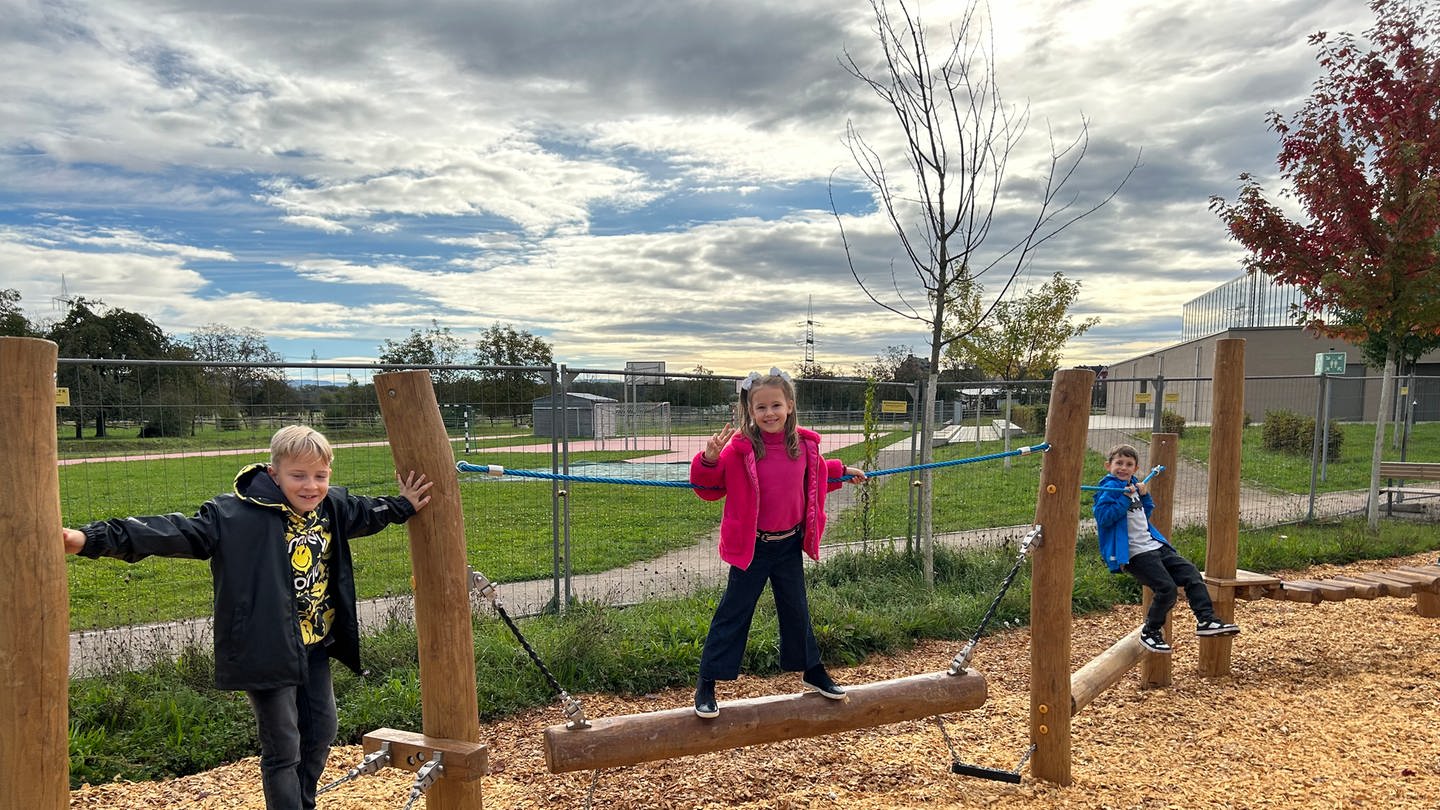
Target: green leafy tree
point(13, 322)
point(510, 390)
point(91, 330)
point(239, 388)
point(1025, 336)
point(1362, 159)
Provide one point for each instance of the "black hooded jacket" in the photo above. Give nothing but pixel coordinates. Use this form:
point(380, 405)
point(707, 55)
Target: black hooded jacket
point(257, 631)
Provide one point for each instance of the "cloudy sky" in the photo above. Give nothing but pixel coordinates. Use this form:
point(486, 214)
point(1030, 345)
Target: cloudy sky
point(632, 181)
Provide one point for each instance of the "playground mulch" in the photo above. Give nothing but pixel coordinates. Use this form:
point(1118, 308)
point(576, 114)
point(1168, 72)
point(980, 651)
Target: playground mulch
point(1331, 705)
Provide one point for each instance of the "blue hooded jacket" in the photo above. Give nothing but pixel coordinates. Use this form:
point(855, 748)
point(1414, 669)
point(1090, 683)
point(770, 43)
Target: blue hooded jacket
point(1110, 509)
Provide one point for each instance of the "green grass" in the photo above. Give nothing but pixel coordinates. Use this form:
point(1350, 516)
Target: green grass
point(169, 720)
point(1290, 473)
point(611, 526)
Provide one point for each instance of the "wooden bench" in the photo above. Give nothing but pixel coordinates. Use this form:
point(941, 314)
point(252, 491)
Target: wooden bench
point(1403, 471)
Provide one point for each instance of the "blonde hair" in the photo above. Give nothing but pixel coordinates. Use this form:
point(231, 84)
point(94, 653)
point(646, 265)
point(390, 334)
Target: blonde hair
point(752, 430)
point(1123, 450)
point(299, 441)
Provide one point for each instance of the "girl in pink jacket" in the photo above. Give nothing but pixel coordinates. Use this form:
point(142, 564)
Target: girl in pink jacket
point(774, 481)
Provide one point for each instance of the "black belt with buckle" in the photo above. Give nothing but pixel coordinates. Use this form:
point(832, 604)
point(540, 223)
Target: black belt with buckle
point(775, 537)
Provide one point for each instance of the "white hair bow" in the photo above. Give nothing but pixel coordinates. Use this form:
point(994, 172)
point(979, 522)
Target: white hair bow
point(745, 384)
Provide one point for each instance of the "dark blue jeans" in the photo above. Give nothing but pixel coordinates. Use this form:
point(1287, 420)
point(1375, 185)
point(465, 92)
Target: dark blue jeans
point(1164, 571)
point(296, 725)
point(782, 565)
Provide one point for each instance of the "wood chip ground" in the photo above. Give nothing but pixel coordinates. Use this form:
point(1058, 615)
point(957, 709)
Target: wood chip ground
point(1328, 706)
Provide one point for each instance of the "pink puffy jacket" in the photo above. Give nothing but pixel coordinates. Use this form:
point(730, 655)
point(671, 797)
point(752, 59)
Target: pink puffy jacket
point(733, 477)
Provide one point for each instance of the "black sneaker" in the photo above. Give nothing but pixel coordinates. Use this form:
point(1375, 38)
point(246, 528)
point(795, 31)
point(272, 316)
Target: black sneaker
point(1154, 641)
point(818, 679)
point(1215, 627)
point(705, 705)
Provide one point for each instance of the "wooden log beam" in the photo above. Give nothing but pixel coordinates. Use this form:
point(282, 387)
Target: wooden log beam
point(626, 740)
point(1295, 592)
point(448, 702)
point(1364, 589)
point(1105, 670)
point(1387, 586)
point(1422, 582)
point(1329, 590)
point(34, 592)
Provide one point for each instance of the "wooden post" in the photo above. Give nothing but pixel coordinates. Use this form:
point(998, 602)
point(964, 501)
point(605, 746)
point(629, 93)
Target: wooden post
point(625, 740)
point(442, 584)
point(1052, 577)
point(1227, 425)
point(1155, 670)
point(34, 591)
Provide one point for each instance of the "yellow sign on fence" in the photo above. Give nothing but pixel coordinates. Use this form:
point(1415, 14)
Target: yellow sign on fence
point(894, 406)
point(1172, 396)
point(62, 397)
point(1144, 398)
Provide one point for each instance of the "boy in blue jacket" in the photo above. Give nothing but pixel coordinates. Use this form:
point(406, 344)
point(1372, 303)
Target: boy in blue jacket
point(279, 552)
point(1129, 543)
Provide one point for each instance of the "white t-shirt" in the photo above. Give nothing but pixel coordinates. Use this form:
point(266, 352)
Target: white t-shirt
point(1138, 529)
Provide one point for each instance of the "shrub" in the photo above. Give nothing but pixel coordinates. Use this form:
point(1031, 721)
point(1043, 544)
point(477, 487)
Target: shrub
point(1290, 432)
point(1029, 417)
point(1172, 422)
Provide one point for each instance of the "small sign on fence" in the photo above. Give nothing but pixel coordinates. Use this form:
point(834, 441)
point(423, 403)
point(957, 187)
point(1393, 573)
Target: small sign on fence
point(1172, 396)
point(62, 397)
point(1329, 363)
point(1144, 398)
point(894, 406)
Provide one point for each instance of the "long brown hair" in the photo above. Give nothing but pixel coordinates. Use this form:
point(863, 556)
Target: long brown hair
point(752, 430)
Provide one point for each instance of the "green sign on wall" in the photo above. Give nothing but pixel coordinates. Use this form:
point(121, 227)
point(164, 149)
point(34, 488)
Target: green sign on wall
point(1330, 362)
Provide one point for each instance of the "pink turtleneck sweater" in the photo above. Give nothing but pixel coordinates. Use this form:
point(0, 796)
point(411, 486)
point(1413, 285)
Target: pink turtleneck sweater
point(782, 486)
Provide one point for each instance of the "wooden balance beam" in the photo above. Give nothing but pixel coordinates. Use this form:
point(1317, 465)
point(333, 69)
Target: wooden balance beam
point(629, 739)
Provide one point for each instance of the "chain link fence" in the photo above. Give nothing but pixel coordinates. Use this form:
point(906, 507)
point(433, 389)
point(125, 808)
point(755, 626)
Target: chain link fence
point(155, 437)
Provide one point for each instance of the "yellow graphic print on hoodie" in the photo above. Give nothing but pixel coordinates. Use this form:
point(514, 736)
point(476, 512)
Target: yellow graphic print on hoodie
point(308, 541)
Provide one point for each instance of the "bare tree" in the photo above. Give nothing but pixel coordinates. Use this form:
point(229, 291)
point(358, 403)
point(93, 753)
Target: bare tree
point(958, 138)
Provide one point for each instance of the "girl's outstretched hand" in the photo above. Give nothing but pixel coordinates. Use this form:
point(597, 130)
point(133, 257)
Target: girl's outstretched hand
point(74, 540)
point(717, 443)
point(856, 474)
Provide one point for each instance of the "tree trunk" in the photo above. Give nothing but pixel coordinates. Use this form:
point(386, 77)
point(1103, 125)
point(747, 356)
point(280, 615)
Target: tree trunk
point(927, 452)
point(1387, 381)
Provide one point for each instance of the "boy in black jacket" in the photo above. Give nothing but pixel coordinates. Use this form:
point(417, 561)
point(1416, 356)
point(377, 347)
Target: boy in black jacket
point(279, 555)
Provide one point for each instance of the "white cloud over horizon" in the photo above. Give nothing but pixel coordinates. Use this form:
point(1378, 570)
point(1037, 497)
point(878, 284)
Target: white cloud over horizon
point(627, 180)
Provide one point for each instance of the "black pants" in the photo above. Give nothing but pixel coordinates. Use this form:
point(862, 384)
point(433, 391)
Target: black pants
point(297, 724)
point(1164, 571)
point(781, 564)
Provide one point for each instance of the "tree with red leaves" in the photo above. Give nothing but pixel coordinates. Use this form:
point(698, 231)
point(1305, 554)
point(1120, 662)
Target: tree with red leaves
point(1362, 159)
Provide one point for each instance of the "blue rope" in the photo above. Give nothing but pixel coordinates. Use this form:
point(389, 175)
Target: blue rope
point(1159, 468)
point(497, 470)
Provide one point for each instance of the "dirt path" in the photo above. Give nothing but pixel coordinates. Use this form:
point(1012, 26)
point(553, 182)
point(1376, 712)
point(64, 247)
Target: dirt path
point(1327, 706)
